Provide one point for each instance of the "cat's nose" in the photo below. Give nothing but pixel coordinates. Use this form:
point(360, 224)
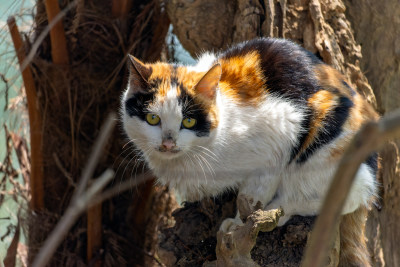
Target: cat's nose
point(168, 144)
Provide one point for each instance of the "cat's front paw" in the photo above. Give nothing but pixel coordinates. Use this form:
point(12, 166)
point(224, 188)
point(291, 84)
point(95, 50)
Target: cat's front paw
point(230, 224)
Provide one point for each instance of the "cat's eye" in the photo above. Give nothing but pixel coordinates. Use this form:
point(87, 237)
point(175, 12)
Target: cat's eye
point(189, 123)
point(152, 119)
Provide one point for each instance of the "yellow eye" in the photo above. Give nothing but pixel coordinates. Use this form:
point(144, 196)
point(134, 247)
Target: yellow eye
point(189, 122)
point(152, 119)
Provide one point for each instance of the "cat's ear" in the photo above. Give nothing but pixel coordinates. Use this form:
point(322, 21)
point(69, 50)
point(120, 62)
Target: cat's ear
point(208, 84)
point(139, 75)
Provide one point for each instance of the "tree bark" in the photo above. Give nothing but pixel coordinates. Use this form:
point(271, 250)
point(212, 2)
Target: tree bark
point(377, 27)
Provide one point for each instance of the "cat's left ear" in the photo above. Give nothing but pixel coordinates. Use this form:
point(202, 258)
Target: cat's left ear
point(139, 74)
point(208, 84)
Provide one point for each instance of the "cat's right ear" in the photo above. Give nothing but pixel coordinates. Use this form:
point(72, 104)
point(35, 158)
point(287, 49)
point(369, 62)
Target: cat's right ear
point(139, 75)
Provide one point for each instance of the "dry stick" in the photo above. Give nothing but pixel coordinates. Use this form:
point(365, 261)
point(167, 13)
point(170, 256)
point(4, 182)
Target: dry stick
point(35, 121)
point(81, 198)
point(369, 139)
point(105, 133)
point(118, 189)
point(59, 51)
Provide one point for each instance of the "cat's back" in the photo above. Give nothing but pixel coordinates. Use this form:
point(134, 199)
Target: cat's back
point(265, 68)
point(277, 66)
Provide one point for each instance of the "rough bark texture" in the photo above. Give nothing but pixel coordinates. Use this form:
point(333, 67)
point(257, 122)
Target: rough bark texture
point(320, 26)
point(377, 28)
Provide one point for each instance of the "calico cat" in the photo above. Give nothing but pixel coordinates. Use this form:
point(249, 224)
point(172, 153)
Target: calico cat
point(265, 117)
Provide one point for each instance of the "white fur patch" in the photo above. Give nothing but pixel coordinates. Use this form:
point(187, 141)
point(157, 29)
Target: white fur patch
point(204, 63)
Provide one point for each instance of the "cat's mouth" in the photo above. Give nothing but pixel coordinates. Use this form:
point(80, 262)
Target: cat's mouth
point(168, 152)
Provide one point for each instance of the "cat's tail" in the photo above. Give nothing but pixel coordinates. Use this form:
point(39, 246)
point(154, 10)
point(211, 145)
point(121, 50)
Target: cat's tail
point(353, 247)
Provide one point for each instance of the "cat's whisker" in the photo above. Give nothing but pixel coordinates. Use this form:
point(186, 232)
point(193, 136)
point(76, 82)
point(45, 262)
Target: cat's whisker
point(208, 152)
point(208, 165)
point(122, 161)
point(139, 160)
point(201, 166)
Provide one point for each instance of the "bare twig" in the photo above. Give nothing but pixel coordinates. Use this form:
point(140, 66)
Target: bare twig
point(101, 141)
point(63, 170)
point(369, 139)
point(118, 189)
point(21, 148)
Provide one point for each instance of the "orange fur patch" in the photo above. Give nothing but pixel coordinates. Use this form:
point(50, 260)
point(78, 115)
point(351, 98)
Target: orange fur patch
point(322, 102)
point(162, 73)
point(330, 78)
point(242, 78)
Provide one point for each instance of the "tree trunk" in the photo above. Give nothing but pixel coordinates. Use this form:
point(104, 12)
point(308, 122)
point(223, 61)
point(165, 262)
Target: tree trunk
point(377, 27)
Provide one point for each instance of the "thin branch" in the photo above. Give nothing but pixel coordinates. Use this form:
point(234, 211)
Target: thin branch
point(118, 189)
point(63, 170)
point(370, 138)
point(105, 133)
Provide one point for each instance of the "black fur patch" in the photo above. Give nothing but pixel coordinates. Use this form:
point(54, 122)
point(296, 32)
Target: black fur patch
point(191, 109)
point(332, 128)
point(288, 68)
point(305, 124)
point(372, 162)
point(137, 105)
point(352, 92)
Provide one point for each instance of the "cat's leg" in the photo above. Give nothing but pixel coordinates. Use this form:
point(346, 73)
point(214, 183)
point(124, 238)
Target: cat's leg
point(254, 193)
point(230, 224)
point(362, 190)
point(290, 208)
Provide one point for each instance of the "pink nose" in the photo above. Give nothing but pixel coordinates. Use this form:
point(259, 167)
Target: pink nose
point(168, 144)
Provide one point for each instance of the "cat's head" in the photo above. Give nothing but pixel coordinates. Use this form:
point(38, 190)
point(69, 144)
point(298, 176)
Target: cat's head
point(170, 110)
